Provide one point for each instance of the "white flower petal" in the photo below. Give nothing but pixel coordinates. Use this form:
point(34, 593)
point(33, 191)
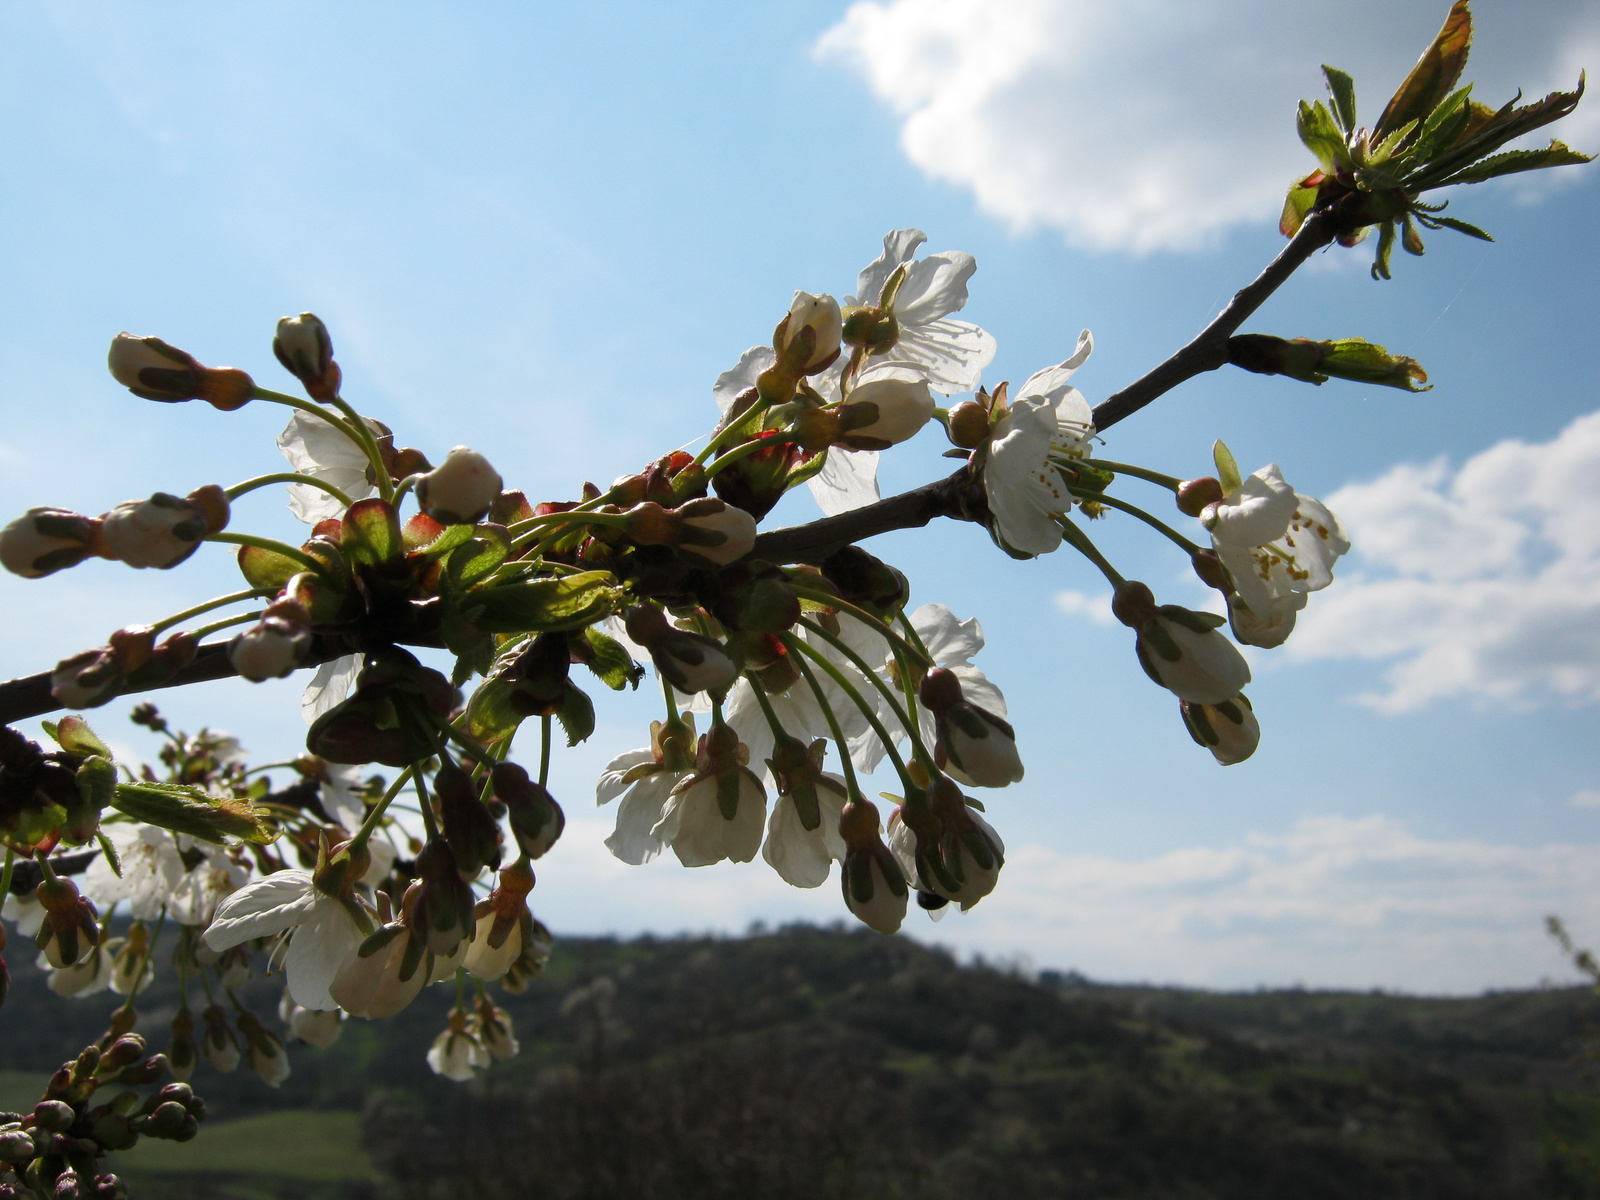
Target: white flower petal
point(317, 950)
point(899, 245)
point(741, 376)
point(612, 784)
point(267, 906)
point(848, 479)
point(315, 447)
point(329, 686)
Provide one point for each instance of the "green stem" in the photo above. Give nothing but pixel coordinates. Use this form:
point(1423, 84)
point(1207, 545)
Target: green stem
point(263, 543)
point(843, 747)
point(6, 873)
point(307, 406)
point(206, 630)
point(1081, 543)
point(544, 750)
point(219, 602)
point(144, 961)
point(376, 815)
point(860, 614)
point(428, 825)
point(1132, 510)
point(738, 452)
point(404, 486)
point(887, 692)
point(1167, 481)
point(369, 443)
point(44, 865)
point(856, 697)
point(560, 521)
point(261, 481)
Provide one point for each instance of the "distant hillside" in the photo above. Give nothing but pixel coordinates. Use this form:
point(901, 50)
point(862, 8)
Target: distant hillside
point(819, 1063)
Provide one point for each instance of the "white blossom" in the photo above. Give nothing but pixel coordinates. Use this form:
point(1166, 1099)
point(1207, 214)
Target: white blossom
point(692, 822)
point(316, 448)
point(323, 935)
point(801, 856)
point(456, 1053)
point(1046, 419)
point(329, 686)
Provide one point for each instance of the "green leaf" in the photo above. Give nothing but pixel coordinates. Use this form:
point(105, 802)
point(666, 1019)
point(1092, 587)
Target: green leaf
point(1364, 362)
point(576, 715)
point(1435, 74)
point(543, 605)
point(1380, 263)
point(1342, 90)
point(1463, 227)
point(1385, 150)
point(97, 782)
point(1410, 239)
point(1227, 469)
point(1321, 136)
point(113, 860)
point(1486, 134)
point(472, 561)
point(612, 663)
point(1445, 124)
point(370, 532)
point(1297, 204)
point(183, 809)
point(74, 736)
point(1511, 162)
point(267, 569)
point(453, 536)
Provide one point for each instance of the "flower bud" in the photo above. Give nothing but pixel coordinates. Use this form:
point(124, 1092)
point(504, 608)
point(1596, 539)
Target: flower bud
point(807, 340)
point(716, 532)
point(758, 481)
point(95, 676)
point(182, 1050)
point(315, 1027)
point(1229, 730)
point(1183, 652)
point(459, 490)
point(304, 348)
point(45, 540)
point(273, 648)
point(153, 370)
point(491, 1024)
point(968, 425)
point(874, 886)
point(885, 409)
point(442, 913)
point(504, 925)
point(866, 581)
point(945, 847)
point(268, 1058)
point(690, 662)
point(472, 834)
point(975, 745)
point(159, 532)
point(536, 819)
point(1195, 494)
point(220, 1047)
point(386, 973)
point(70, 930)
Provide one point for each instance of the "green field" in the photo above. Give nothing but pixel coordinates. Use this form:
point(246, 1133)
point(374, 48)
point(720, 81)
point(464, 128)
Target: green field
point(322, 1147)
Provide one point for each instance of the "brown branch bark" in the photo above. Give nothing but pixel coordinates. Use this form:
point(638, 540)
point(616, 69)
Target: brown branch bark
point(955, 496)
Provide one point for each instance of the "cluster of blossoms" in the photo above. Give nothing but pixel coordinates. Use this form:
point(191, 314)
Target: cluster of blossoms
point(790, 662)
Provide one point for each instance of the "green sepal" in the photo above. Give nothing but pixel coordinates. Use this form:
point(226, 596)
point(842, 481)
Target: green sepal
point(491, 717)
point(1320, 133)
point(180, 808)
point(802, 471)
point(267, 569)
point(611, 663)
point(1198, 622)
point(1227, 469)
point(576, 715)
point(97, 782)
point(543, 605)
point(1380, 262)
point(475, 558)
point(1459, 226)
point(1366, 362)
point(72, 734)
point(453, 536)
point(370, 532)
point(1297, 205)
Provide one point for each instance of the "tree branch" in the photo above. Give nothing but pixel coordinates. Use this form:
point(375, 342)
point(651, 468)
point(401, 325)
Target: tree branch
point(957, 496)
point(1209, 350)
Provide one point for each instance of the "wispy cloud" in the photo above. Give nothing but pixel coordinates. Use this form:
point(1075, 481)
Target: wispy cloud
point(1153, 124)
point(1333, 901)
point(1480, 582)
point(1095, 609)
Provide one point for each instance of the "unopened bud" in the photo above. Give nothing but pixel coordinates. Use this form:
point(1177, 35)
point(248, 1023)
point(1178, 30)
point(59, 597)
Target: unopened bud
point(459, 490)
point(306, 352)
point(150, 368)
point(273, 648)
point(1195, 494)
point(159, 532)
point(968, 425)
point(717, 532)
point(807, 340)
point(886, 409)
point(44, 540)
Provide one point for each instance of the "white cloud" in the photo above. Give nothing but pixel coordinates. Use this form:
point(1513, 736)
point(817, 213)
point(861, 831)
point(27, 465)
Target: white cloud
point(1096, 608)
point(1332, 902)
point(1587, 798)
point(1147, 124)
point(1483, 582)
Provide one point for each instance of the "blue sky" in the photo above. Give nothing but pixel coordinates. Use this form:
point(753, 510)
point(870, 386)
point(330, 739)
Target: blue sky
point(543, 230)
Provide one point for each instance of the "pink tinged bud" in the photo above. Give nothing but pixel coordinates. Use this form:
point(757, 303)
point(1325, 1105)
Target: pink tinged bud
point(717, 532)
point(1194, 495)
point(159, 532)
point(535, 817)
point(274, 647)
point(489, 962)
point(44, 540)
point(900, 405)
point(459, 490)
point(1229, 730)
point(813, 329)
